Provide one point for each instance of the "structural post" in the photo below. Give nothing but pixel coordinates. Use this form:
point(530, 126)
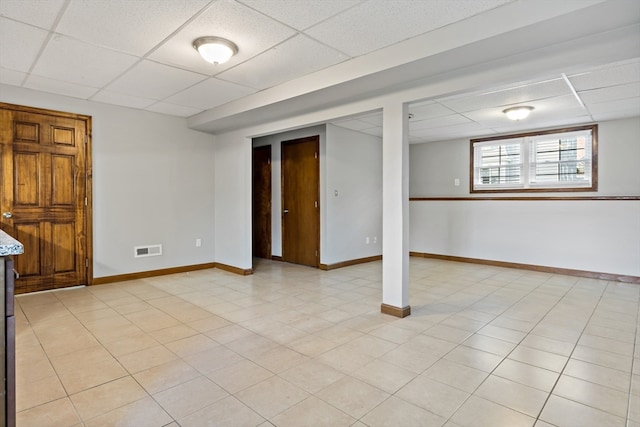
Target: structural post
point(395, 210)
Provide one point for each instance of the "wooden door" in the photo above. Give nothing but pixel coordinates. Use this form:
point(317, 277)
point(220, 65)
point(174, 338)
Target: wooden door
point(45, 195)
point(301, 201)
point(261, 217)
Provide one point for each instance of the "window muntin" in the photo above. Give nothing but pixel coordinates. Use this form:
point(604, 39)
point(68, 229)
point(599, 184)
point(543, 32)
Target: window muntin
point(499, 164)
point(556, 160)
point(561, 158)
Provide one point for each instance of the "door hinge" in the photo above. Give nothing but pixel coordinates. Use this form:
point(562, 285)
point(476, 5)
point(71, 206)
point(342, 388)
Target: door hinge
point(315, 155)
point(316, 203)
point(86, 201)
point(86, 139)
point(316, 254)
point(86, 262)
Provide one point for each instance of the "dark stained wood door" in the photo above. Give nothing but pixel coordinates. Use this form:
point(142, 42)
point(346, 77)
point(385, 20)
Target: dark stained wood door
point(45, 194)
point(261, 218)
point(301, 201)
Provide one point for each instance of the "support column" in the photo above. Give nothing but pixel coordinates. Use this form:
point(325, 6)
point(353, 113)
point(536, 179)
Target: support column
point(395, 210)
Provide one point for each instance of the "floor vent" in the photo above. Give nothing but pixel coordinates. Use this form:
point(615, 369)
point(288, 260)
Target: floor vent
point(149, 250)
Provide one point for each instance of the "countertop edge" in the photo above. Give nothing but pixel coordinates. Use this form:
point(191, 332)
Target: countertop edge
point(9, 245)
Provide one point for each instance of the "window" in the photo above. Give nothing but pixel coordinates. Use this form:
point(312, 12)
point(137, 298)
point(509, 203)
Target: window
point(554, 160)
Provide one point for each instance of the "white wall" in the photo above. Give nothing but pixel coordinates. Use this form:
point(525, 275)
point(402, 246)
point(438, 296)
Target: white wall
point(599, 236)
point(153, 182)
point(354, 170)
point(233, 200)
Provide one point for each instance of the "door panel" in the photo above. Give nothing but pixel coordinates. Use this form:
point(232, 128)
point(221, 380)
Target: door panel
point(62, 188)
point(29, 235)
point(64, 260)
point(27, 179)
point(45, 173)
point(261, 217)
point(301, 201)
point(26, 132)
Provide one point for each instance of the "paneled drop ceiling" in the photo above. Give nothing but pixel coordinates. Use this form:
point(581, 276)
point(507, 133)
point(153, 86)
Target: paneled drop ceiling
point(603, 93)
point(138, 54)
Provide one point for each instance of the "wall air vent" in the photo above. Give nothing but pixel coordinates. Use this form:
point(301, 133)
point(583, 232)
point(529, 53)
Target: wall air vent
point(148, 250)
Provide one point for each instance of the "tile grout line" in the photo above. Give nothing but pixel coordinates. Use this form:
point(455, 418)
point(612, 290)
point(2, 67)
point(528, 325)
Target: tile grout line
point(474, 333)
point(633, 362)
point(572, 351)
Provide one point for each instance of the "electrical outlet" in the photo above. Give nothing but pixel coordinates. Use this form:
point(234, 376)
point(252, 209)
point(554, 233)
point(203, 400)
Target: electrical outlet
point(198, 243)
point(456, 182)
point(366, 240)
point(375, 239)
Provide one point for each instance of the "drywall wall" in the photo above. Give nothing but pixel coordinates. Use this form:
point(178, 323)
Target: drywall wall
point(232, 194)
point(353, 196)
point(153, 182)
point(599, 236)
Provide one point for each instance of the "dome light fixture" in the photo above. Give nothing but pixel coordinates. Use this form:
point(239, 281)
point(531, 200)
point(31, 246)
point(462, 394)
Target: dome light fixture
point(215, 50)
point(518, 113)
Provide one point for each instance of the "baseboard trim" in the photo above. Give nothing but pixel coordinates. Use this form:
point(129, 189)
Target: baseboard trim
point(151, 273)
point(400, 312)
point(540, 268)
point(232, 269)
point(350, 262)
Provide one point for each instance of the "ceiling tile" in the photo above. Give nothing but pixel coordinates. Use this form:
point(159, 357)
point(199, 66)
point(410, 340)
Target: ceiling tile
point(230, 20)
point(209, 93)
point(39, 13)
point(544, 109)
point(374, 118)
point(444, 133)
point(56, 86)
point(628, 104)
point(172, 109)
point(121, 99)
point(614, 74)
point(526, 93)
point(151, 80)
point(368, 27)
point(610, 93)
point(10, 77)
point(129, 26)
point(450, 120)
point(72, 61)
point(19, 44)
point(301, 14)
point(294, 58)
point(428, 110)
point(616, 115)
point(548, 123)
point(353, 124)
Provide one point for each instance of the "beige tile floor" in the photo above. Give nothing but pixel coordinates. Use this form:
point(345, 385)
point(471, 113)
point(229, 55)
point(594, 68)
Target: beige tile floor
point(295, 346)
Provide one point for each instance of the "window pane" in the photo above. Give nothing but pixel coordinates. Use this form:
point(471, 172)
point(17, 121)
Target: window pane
point(500, 164)
point(560, 158)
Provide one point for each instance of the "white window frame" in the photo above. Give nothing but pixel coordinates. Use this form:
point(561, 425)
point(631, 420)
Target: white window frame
point(527, 181)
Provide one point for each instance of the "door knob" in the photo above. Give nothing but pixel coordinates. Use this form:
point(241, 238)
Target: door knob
point(286, 211)
point(7, 215)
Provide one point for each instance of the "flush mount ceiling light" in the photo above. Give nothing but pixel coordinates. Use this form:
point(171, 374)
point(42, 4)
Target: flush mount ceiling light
point(215, 50)
point(518, 113)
